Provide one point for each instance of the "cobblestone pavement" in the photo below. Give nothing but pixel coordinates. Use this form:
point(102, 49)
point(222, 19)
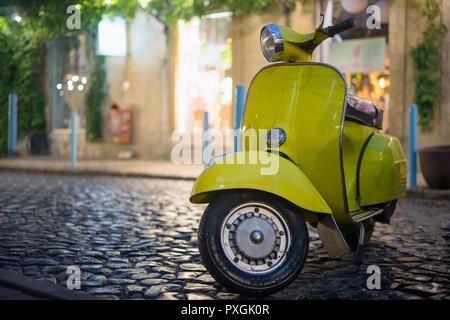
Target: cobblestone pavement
point(136, 238)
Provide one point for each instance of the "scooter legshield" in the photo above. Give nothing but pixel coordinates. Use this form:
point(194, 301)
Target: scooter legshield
point(258, 170)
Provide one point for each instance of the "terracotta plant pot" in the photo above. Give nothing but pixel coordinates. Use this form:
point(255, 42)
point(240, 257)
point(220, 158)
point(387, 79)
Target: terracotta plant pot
point(435, 164)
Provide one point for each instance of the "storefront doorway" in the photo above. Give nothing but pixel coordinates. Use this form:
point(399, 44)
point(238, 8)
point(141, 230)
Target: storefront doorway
point(203, 73)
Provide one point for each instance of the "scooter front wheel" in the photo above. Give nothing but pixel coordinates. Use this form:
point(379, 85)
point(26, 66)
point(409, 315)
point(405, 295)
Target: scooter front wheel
point(253, 243)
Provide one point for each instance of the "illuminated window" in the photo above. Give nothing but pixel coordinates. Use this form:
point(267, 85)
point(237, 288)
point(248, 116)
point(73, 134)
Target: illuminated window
point(204, 80)
point(112, 37)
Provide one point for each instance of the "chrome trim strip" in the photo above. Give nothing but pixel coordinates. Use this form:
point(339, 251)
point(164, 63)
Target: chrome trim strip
point(277, 39)
point(362, 233)
point(339, 230)
point(359, 216)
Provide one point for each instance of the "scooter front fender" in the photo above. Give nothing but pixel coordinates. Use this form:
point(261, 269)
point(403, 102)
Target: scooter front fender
point(258, 170)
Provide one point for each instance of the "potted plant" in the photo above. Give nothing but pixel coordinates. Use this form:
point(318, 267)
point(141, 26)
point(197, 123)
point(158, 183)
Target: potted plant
point(435, 164)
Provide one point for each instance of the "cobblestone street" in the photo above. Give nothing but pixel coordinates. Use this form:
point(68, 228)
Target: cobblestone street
point(137, 238)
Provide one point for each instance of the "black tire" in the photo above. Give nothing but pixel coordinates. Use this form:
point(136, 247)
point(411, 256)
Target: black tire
point(225, 271)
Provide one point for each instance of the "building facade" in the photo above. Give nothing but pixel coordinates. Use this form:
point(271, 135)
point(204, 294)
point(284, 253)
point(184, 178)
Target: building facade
point(171, 77)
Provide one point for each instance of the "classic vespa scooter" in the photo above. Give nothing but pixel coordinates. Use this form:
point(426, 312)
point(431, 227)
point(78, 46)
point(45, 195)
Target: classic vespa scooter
point(335, 171)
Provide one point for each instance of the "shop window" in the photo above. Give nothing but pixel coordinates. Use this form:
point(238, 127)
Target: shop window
point(204, 72)
point(112, 37)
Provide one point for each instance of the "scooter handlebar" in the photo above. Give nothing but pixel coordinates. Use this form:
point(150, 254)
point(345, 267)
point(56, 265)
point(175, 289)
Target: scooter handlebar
point(340, 27)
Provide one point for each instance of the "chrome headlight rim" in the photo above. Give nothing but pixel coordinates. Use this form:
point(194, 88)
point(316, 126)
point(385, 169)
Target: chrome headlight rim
point(278, 42)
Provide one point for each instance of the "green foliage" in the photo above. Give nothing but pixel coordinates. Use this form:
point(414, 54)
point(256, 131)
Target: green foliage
point(170, 11)
point(427, 65)
point(94, 98)
point(20, 70)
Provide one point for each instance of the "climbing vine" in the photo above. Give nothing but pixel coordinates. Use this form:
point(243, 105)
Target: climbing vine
point(94, 98)
point(426, 58)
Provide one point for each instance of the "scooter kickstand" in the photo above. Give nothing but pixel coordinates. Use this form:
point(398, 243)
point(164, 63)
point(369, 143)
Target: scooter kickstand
point(360, 249)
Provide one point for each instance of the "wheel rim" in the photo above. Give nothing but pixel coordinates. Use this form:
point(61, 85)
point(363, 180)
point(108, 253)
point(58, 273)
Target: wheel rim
point(255, 238)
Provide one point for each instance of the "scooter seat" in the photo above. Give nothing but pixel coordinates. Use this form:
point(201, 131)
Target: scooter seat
point(364, 111)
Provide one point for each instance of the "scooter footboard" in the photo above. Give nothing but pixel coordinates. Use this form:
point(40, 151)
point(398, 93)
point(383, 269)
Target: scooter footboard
point(258, 170)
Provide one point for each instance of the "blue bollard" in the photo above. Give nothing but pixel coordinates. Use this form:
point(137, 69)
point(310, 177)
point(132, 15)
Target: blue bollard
point(239, 110)
point(207, 147)
point(412, 145)
point(12, 129)
point(73, 139)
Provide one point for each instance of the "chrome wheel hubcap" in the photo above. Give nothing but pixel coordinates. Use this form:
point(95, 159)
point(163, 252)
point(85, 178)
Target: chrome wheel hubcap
point(255, 237)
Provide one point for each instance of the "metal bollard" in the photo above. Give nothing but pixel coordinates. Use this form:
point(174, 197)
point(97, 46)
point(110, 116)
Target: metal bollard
point(73, 139)
point(412, 145)
point(238, 112)
point(12, 129)
point(206, 142)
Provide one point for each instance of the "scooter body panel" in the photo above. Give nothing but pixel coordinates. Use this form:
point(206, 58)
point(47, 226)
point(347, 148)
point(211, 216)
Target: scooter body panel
point(262, 171)
point(383, 171)
point(354, 137)
point(307, 101)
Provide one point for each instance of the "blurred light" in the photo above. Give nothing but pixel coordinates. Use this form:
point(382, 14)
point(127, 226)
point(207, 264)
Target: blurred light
point(218, 15)
point(195, 22)
point(108, 2)
point(382, 83)
point(227, 89)
point(384, 7)
point(80, 87)
point(112, 37)
point(70, 83)
point(70, 87)
point(59, 86)
point(144, 3)
point(354, 6)
point(16, 17)
point(83, 80)
point(75, 78)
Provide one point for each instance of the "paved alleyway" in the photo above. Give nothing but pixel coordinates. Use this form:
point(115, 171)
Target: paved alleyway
point(136, 238)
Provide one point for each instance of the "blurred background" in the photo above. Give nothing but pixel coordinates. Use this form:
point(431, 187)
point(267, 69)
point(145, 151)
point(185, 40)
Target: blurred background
point(135, 71)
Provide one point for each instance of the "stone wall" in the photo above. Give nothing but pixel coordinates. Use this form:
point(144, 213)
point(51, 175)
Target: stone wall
point(138, 80)
point(245, 32)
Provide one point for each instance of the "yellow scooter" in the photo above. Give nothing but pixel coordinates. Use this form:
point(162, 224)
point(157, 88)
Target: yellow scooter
point(321, 159)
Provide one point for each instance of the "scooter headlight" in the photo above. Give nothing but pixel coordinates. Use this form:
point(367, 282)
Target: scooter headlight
point(272, 44)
